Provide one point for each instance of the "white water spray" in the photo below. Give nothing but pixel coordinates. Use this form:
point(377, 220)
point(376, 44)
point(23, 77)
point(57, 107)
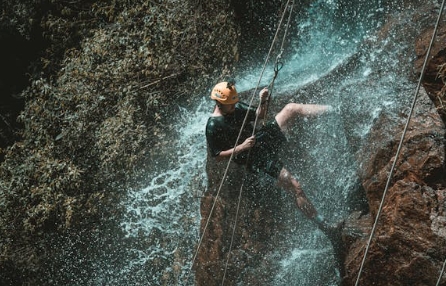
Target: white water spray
point(163, 218)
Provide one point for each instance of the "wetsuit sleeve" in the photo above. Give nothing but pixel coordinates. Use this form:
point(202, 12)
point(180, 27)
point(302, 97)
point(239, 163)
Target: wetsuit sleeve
point(222, 133)
point(213, 138)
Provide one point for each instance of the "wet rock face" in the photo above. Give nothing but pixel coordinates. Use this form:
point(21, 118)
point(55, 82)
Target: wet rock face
point(409, 243)
point(432, 82)
point(408, 246)
point(435, 72)
point(422, 152)
point(259, 230)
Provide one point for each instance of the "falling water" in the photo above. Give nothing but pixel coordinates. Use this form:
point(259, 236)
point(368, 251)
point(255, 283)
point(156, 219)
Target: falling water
point(166, 212)
point(329, 64)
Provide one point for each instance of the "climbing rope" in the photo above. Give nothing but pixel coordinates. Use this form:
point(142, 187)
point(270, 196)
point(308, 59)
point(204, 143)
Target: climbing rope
point(372, 233)
point(278, 64)
point(276, 70)
point(441, 273)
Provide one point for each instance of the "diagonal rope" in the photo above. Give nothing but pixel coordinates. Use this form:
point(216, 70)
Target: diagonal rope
point(400, 143)
point(232, 155)
point(255, 124)
point(234, 228)
point(441, 273)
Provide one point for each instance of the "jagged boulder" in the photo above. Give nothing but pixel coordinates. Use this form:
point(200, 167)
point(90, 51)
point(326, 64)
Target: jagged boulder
point(408, 246)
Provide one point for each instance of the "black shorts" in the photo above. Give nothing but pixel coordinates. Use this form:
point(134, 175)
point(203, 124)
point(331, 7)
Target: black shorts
point(264, 156)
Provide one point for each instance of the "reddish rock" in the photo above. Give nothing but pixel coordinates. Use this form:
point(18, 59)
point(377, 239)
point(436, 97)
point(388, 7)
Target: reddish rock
point(409, 245)
point(259, 231)
point(435, 72)
point(432, 82)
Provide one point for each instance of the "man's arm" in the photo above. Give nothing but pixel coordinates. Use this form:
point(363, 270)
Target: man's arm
point(246, 145)
point(261, 110)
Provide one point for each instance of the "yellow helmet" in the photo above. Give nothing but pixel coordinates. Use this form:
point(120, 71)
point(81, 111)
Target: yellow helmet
point(225, 93)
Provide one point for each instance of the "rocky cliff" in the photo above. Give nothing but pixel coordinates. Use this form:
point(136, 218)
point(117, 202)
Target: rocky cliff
point(94, 79)
point(408, 246)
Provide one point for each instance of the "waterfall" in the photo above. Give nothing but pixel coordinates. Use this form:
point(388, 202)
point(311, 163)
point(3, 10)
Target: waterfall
point(336, 59)
point(165, 214)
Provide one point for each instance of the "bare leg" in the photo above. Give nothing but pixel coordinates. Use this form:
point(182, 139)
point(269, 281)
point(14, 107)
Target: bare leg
point(333, 232)
point(292, 110)
point(292, 186)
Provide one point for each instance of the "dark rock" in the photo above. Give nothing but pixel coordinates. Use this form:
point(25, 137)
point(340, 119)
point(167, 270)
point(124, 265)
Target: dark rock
point(408, 246)
point(258, 233)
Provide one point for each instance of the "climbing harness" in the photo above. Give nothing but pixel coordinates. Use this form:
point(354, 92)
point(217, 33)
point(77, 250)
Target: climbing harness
point(372, 233)
point(278, 66)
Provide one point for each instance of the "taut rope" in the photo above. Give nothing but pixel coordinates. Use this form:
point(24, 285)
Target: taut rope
point(235, 145)
point(441, 273)
point(276, 71)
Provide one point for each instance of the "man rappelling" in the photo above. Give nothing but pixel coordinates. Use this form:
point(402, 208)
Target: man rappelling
point(259, 152)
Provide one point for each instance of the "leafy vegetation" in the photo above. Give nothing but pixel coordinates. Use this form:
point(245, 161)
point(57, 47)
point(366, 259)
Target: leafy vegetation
point(94, 108)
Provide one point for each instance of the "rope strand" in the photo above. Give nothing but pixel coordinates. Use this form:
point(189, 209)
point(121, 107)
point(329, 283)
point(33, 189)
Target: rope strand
point(253, 133)
point(400, 145)
point(441, 273)
point(278, 64)
point(233, 230)
point(200, 242)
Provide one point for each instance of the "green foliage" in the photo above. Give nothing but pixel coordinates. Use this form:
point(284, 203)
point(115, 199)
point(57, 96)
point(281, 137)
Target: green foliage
point(95, 106)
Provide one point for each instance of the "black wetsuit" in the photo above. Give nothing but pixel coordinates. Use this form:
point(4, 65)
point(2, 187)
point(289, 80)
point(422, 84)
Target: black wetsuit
point(222, 132)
